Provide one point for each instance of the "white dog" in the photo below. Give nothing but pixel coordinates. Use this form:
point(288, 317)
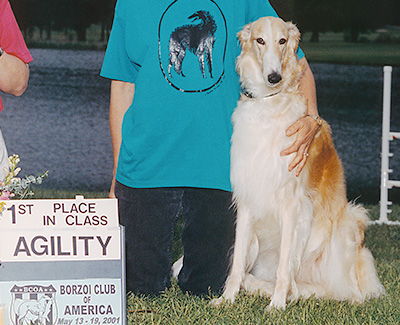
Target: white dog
point(295, 236)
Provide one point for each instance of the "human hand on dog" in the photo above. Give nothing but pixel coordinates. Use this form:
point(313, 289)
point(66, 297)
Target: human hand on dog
point(306, 128)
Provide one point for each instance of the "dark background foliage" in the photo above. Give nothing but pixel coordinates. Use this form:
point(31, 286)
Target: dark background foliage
point(316, 16)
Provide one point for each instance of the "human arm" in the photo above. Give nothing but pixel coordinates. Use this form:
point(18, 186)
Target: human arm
point(121, 98)
point(305, 127)
point(14, 70)
point(14, 74)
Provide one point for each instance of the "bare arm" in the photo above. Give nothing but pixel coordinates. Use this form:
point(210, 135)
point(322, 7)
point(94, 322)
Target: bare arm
point(14, 75)
point(306, 127)
point(308, 88)
point(120, 100)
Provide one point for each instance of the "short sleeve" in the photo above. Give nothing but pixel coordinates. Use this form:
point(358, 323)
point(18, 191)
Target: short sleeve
point(117, 64)
point(262, 8)
point(11, 39)
point(258, 9)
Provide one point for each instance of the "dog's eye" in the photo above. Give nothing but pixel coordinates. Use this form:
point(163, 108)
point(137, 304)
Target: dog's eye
point(282, 41)
point(260, 41)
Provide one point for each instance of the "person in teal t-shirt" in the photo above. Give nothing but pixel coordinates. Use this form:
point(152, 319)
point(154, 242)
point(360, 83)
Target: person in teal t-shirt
point(173, 90)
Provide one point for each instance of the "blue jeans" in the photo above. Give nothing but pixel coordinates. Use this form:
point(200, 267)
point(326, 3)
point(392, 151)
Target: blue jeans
point(150, 215)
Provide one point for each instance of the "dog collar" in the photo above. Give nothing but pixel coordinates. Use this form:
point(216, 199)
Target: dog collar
point(250, 95)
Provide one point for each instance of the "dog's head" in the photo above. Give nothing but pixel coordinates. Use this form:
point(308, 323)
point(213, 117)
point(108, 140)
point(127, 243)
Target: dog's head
point(268, 55)
point(199, 15)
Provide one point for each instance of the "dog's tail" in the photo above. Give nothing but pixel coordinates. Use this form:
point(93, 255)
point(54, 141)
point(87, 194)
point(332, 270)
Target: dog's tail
point(354, 276)
point(339, 265)
point(366, 274)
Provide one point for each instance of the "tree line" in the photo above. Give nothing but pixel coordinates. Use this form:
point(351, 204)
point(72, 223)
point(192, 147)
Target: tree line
point(50, 15)
point(315, 16)
point(352, 16)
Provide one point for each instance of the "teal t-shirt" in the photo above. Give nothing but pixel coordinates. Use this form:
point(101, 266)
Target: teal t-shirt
point(181, 56)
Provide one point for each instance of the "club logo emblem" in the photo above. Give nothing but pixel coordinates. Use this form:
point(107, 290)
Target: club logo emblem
point(33, 304)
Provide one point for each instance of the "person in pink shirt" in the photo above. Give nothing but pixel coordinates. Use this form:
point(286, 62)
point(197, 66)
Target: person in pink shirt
point(14, 70)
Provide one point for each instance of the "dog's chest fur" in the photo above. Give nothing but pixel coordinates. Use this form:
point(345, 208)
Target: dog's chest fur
point(259, 174)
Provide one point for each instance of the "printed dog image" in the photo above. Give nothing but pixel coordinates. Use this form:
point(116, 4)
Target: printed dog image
point(197, 38)
point(295, 236)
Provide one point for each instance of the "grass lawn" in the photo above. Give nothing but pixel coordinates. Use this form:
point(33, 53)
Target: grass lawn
point(174, 307)
point(41, 193)
point(349, 53)
point(332, 49)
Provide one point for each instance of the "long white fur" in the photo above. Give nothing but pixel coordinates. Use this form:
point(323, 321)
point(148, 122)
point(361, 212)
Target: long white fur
point(292, 238)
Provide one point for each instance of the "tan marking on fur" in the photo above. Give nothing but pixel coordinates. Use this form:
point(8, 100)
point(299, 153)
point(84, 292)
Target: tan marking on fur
point(326, 175)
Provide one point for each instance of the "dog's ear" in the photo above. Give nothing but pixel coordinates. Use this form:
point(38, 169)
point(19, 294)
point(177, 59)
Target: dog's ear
point(244, 35)
point(294, 37)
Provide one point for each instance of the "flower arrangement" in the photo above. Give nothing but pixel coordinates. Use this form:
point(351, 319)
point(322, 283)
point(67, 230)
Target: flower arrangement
point(13, 186)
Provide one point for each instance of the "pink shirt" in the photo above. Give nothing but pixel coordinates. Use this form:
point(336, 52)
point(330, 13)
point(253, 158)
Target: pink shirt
point(11, 40)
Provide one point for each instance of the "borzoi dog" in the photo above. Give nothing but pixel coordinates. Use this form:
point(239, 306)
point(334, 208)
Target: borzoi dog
point(199, 39)
point(295, 236)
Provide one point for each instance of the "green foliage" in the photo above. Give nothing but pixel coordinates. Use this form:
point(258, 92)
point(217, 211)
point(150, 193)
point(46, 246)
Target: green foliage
point(317, 16)
point(332, 49)
point(352, 16)
point(67, 194)
point(50, 15)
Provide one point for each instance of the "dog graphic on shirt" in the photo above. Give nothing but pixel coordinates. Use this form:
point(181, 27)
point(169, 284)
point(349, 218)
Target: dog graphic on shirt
point(197, 38)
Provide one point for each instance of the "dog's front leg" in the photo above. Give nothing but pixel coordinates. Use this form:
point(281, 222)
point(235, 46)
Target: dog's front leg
point(179, 59)
point(243, 238)
point(285, 272)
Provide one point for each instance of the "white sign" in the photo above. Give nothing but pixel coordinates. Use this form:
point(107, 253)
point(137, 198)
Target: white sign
point(62, 302)
point(61, 230)
point(62, 262)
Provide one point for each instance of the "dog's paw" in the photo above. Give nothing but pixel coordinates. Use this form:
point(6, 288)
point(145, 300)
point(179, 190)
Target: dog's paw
point(217, 302)
point(220, 301)
point(276, 304)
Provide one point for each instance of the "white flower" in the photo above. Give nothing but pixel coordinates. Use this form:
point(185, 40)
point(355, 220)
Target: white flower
point(14, 186)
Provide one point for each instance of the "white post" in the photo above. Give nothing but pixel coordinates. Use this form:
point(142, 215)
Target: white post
point(385, 171)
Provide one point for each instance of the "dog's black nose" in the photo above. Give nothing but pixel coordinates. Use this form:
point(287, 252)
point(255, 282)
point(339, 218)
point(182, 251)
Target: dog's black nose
point(274, 78)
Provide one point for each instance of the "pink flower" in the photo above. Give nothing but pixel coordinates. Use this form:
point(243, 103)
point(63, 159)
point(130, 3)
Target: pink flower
point(6, 195)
